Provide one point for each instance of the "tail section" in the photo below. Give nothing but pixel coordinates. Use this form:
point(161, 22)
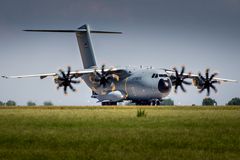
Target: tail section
point(84, 43)
point(86, 49)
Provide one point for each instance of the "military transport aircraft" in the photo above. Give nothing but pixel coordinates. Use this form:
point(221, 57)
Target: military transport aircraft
point(142, 86)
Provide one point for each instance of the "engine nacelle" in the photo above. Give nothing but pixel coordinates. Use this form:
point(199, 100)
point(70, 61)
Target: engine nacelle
point(197, 83)
point(57, 80)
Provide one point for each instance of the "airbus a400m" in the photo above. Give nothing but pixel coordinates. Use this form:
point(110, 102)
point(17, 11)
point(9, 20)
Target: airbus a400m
point(142, 86)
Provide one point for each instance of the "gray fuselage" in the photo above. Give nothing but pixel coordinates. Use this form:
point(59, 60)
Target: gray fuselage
point(140, 84)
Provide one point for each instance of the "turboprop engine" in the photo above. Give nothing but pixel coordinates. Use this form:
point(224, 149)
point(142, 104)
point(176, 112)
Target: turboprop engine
point(206, 82)
point(103, 81)
point(65, 80)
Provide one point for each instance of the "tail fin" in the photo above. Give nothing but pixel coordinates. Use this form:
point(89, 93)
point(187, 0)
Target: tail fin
point(84, 43)
point(86, 49)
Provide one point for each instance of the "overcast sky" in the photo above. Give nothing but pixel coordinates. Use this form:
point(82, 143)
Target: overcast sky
point(159, 33)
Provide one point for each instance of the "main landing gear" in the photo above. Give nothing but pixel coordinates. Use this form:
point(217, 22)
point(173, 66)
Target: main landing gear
point(154, 102)
point(109, 103)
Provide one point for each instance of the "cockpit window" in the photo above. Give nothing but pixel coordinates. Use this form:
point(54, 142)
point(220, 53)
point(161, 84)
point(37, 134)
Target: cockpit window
point(155, 75)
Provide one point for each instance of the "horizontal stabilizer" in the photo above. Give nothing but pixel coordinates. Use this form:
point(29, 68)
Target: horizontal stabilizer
point(73, 31)
point(107, 32)
point(67, 31)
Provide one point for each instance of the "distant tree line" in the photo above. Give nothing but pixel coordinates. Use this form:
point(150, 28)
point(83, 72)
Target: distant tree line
point(167, 102)
point(209, 102)
point(212, 102)
point(234, 101)
point(48, 103)
point(205, 102)
point(8, 103)
point(29, 103)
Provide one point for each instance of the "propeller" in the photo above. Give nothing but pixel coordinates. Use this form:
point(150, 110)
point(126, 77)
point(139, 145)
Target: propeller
point(208, 82)
point(104, 78)
point(65, 80)
point(179, 79)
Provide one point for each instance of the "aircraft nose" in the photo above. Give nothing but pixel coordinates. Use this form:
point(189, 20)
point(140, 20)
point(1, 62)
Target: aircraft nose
point(164, 86)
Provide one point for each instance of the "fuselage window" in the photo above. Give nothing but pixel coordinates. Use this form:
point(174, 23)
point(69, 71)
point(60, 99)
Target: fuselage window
point(137, 79)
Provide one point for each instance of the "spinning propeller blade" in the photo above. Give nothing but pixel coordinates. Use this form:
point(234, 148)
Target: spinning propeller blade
point(208, 82)
point(179, 79)
point(65, 80)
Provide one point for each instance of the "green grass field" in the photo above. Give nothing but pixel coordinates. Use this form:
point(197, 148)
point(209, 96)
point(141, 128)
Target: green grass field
point(117, 133)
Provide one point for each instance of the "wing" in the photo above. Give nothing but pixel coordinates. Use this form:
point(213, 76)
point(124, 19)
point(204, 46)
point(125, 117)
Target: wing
point(41, 76)
point(78, 73)
point(220, 80)
point(202, 82)
point(194, 76)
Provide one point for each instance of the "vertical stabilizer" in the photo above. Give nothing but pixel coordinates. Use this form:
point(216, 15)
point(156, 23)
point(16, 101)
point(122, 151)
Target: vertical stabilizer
point(85, 46)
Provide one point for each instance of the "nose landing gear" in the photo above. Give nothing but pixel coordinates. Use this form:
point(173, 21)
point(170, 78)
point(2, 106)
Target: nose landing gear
point(155, 102)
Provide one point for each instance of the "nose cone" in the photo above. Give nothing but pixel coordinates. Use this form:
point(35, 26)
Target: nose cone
point(164, 85)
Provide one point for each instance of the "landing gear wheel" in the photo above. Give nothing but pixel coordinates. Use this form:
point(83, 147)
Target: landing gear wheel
point(109, 103)
point(155, 102)
point(142, 103)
